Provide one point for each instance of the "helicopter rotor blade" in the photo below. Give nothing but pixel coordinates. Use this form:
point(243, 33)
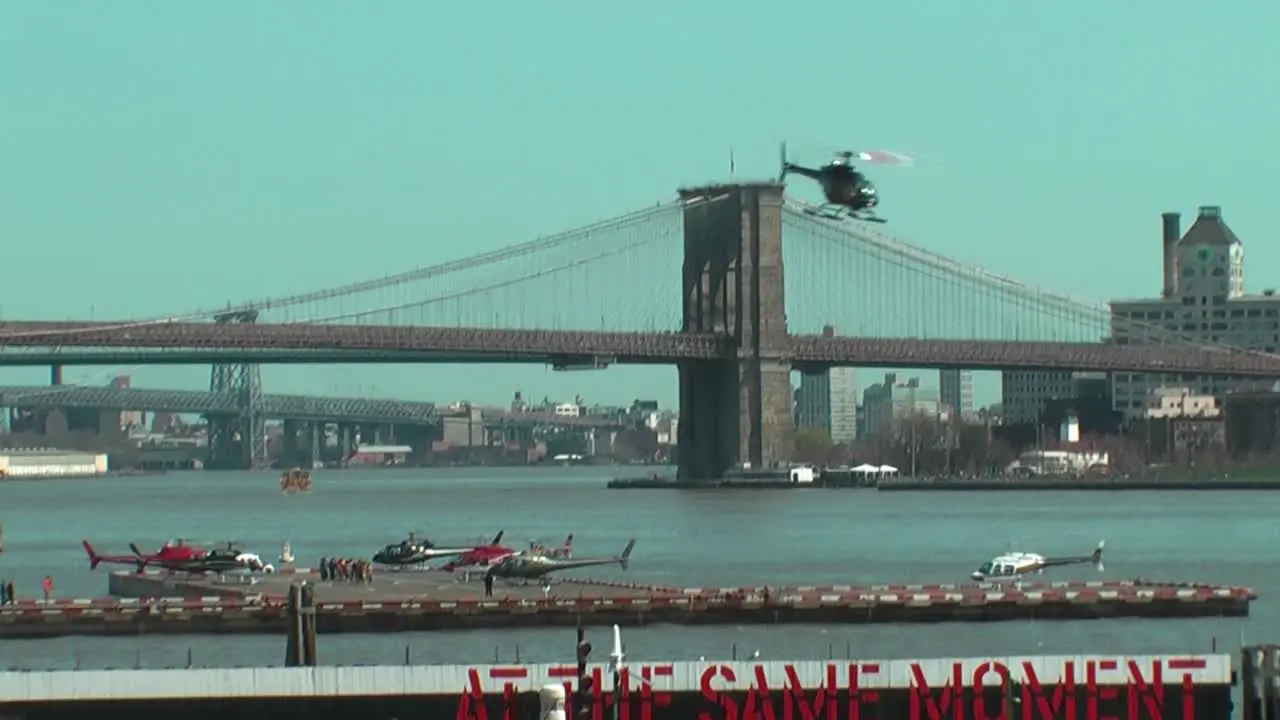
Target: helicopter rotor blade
point(883, 157)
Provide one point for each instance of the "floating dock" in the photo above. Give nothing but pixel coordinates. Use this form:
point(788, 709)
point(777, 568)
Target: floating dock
point(1083, 483)
point(427, 600)
point(665, 483)
point(837, 480)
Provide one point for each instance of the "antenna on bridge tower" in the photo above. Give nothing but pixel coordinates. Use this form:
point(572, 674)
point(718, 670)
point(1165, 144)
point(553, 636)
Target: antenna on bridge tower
point(238, 441)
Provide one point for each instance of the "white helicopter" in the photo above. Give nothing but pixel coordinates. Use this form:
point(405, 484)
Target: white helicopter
point(1015, 566)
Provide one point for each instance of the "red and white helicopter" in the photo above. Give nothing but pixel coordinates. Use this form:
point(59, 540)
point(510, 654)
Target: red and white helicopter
point(1015, 566)
point(484, 556)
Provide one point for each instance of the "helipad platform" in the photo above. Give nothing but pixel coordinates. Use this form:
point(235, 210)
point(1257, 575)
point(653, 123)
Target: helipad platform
point(415, 601)
point(386, 587)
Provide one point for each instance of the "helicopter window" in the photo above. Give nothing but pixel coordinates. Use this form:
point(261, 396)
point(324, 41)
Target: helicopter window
point(987, 568)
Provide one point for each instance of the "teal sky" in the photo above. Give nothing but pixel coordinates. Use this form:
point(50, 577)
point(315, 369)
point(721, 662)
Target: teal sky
point(157, 156)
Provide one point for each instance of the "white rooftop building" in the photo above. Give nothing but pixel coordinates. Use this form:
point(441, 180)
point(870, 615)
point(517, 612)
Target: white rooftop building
point(1176, 402)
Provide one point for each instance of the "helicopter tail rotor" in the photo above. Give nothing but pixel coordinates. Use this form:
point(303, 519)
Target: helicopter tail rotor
point(782, 164)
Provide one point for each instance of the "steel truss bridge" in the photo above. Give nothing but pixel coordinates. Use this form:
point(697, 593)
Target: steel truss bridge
point(306, 408)
point(292, 407)
point(733, 284)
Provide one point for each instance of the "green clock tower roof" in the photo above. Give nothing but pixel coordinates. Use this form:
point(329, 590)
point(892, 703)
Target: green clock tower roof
point(1209, 229)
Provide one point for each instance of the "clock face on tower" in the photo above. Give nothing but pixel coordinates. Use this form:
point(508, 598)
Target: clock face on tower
point(1205, 254)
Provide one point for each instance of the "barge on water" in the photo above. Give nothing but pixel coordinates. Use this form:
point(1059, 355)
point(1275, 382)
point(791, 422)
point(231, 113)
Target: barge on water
point(1089, 686)
point(909, 484)
point(421, 601)
point(50, 464)
point(801, 476)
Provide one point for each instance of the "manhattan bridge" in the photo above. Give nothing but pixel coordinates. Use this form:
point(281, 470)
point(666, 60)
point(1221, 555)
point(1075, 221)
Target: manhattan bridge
point(732, 284)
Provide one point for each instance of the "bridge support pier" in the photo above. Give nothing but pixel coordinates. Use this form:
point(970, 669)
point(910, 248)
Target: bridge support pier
point(55, 423)
point(108, 424)
point(735, 412)
point(87, 420)
point(348, 435)
point(289, 451)
point(224, 444)
point(300, 443)
point(315, 442)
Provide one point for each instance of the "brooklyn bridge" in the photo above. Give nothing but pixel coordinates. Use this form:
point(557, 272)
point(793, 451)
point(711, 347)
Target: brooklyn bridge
point(732, 284)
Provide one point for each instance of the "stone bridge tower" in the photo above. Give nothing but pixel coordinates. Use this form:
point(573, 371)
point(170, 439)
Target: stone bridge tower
point(737, 409)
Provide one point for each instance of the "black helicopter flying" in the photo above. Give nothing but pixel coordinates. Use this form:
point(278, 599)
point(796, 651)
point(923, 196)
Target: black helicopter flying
point(848, 192)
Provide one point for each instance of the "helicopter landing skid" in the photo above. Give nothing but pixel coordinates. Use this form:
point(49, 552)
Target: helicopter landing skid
point(829, 212)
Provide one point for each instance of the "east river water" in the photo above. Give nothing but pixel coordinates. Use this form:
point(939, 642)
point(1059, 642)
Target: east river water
point(684, 538)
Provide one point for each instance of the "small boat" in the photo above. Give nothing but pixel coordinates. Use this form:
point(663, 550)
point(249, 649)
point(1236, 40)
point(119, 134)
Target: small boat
point(295, 481)
point(286, 554)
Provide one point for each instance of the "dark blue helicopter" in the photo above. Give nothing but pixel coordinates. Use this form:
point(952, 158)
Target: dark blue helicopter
point(848, 193)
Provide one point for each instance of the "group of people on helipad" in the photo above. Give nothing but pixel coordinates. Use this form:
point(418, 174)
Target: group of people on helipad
point(346, 570)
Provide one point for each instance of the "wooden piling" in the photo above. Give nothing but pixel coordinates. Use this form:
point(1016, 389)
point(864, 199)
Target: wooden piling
point(293, 639)
point(307, 611)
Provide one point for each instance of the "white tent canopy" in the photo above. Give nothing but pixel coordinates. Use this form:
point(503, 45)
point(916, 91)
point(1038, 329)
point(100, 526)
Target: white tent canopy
point(887, 469)
point(865, 468)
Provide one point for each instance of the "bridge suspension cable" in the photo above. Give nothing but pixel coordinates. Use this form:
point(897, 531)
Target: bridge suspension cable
point(569, 265)
point(800, 210)
point(531, 247)
point(537, 245)
point(622, 272)
point(1065, 308)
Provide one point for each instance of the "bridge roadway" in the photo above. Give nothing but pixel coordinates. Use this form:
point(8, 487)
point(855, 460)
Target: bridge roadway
point(45, 357)
point(368, 343)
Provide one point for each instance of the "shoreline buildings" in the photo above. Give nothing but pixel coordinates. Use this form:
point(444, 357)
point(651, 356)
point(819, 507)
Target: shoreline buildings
point(1202, 299)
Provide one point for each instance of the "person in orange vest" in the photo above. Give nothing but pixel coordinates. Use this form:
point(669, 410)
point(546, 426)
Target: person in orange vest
point(48, 587)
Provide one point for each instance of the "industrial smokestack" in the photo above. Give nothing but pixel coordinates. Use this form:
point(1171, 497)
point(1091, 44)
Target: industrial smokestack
point(1171, 233)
